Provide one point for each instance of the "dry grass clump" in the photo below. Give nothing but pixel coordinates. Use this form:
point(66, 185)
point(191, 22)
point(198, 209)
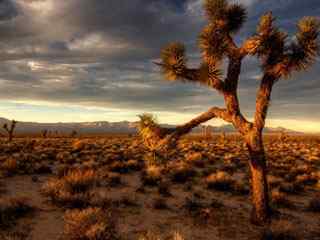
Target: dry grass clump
point(20, 233)
point(160, 203)
point(9, 166)
point(13, 208)
point(220, 181)
point(314, 204)
point(306, 179)
point(73, 190)
point(81, 180)
point(282, 230)
point(154, 236)
point(164, 189)
point(114, 179)
point(279, 199)
point(89, 224)
point(195, 158)
point(181, 172)
point(291, 188)
point(199, 210)
point(152, 175)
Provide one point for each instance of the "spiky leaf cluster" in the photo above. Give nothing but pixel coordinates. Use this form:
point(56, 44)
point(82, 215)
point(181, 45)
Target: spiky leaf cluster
point(215, 9)
point(236, 16)
point(232, 16)
point(212, 42)
point(149, 130)
point(269, 42)
point(209, 75)
point(173, 60)
point(303, 52)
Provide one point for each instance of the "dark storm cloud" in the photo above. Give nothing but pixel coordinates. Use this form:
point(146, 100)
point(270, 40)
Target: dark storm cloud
point(100, 53)
point(8, 10)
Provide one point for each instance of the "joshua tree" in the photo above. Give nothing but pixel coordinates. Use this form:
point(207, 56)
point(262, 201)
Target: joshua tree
point(73, 133)
point(44, 133)
point(10, 130)
point(279, 56)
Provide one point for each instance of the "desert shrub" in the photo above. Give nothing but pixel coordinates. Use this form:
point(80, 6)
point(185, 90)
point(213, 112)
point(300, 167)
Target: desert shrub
point(314, 204)
point(72, 190)
point(279, 199)
point(133, 165)
point(81, 180)
point(274, 181)
point(164, 189)
point(291, 188)
point(89, 224)
point(282, 230)
point(127, 201)
point(17, 234)
point(193, 204)
point(152, 175)
point(220, 181)
point(306, 179)
point(65, 157)
point(240, 188)
point(215, 203)
point(195, 158)
point(9, 166)
point(13, 208)
point(180, 173)
point(154, 236)
point(119, 167)
point(114, 179)
point(159, 203)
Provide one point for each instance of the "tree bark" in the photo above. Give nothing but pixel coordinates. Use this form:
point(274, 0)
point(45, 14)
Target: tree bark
point(259, 185)
point(170, 136)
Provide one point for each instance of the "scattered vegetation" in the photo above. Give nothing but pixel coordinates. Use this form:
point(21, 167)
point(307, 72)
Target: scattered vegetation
point(72, 190)
point(89, 224)
point(13, 208)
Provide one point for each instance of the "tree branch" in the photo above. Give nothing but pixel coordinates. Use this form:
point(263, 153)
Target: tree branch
point(201, 76)
point(174, 134)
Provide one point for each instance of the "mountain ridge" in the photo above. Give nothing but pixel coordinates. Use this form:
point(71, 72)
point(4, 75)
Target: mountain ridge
point(103, 127)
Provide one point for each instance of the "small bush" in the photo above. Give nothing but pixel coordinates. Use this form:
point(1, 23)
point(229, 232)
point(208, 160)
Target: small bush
point(89, 224)
point(182, 173)
point(314, 204)
point(13, 208)
point(279, 199)
point(159, 203)
point(152, 175)
point(220, 181)
point(9, 166)
point(73, 190)
point(282, 230)
point(164, 189)
point(153, 236)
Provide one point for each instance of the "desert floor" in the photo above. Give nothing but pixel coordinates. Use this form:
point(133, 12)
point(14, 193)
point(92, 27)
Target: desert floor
point(113, 188)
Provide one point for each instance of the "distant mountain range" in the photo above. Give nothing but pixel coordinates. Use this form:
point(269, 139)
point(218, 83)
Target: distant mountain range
point(104, 127)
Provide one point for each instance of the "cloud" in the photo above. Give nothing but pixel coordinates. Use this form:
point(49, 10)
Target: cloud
point(100, 53)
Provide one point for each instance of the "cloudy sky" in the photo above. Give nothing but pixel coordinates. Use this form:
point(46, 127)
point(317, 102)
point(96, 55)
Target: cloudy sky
point(89, 60)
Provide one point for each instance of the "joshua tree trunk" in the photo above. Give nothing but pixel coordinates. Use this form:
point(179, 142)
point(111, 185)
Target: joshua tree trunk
point(10, 137)
point(259, 185)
